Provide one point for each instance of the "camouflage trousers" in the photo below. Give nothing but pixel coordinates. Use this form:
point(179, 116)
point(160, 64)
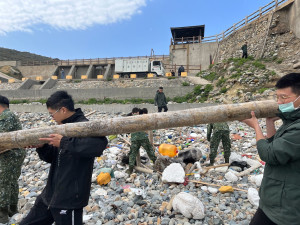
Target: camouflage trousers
point(10, 171)
point(217, 137)
point(135, 147)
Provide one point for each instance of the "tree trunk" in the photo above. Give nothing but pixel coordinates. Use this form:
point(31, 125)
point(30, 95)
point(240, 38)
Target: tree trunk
point(120, 125)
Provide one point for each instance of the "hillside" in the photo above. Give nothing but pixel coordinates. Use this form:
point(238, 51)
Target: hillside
point(14, 55)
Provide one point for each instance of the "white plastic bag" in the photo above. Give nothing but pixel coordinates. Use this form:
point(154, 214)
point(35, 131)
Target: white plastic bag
point(253, 196)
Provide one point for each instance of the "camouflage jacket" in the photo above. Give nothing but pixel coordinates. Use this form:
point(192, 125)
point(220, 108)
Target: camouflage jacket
point(9, 122)
point(216, 127)
point(137, 136)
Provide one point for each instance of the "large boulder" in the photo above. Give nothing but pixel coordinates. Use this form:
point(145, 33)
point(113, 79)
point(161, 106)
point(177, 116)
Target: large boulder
point(174, 173)
point(188, 205)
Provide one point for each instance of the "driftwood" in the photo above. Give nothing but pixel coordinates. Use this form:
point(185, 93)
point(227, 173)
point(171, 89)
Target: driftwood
point(206, 169)
point(216, 185)
point(120, 125)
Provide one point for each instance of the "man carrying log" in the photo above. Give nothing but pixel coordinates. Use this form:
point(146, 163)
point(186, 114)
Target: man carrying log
point(69, 181)
point(10, 164)
point(280, 188)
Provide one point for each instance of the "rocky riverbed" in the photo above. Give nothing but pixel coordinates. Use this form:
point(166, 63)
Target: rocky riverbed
point(143, 198)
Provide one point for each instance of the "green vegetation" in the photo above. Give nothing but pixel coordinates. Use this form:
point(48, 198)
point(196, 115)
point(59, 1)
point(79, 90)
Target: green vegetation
point(185, 83)
point(92, 101)
point(211, 77)
point(236, 75)
point(279, 61)
point(199, 74)
point(199, 92)
point(13, 55)
point(22, 101)
point(171, 78)
point(221, 82)
point(223, 90)
point(238, 62)
point(259, 65)
point(260, 91)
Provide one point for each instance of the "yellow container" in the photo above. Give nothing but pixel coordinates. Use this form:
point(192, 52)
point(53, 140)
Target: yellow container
point(132, 75)
point(54, 77)
point(11, 81)
point(150, 75)
point(168, 74)
point(69, 77)
point(116, 76)
point(83, 77)
point(168, 150)
point(100, 77)
point(184, 74)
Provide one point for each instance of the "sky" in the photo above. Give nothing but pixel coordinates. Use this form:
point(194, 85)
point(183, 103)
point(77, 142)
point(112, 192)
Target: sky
point(84, 29)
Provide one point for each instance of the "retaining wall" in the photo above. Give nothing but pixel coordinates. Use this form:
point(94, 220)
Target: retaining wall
point(85, 94)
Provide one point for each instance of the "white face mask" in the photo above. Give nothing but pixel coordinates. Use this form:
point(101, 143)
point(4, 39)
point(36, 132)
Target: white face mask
point(288, 107)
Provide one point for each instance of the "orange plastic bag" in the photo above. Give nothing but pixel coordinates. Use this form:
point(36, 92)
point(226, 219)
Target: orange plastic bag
point(103, 178)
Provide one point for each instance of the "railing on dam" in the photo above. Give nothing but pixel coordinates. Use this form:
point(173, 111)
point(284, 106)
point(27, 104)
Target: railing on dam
point(219, 37)
point(97, 61)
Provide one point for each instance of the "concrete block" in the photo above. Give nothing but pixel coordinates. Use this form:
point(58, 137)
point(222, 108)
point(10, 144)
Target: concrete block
point(24, 78)
point(39, 78)
point(54, 77)
point(133, 76)
point(69, 77)
point(168, 74)
point(27, 84)
point(183, 74)
point(116, 76)
point(11, 81)
point(101, 77)
point(150, 75)
point(49, 83)
point(84, 77)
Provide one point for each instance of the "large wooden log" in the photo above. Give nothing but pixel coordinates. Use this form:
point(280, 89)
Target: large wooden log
point(120, 125)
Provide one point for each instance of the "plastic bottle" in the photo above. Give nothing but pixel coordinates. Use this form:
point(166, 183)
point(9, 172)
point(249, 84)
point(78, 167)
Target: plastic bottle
point(168, 150)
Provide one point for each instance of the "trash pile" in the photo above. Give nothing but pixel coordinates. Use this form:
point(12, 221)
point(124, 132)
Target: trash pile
point(180, 188)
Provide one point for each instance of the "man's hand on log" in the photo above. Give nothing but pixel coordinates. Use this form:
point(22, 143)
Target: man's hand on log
point(252, 122)
point(53, 139)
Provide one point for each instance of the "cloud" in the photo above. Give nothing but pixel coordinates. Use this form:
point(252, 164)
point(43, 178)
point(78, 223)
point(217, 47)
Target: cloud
point(23, 15)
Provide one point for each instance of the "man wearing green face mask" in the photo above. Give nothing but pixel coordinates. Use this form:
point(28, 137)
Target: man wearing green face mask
point(280, 188)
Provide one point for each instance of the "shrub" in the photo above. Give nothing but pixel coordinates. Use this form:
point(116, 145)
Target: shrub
point(211, 77)
point(262, 90)
point(223, 90)
point(198, 90)
point(221, 82)
point(259, 65)
point(185, 83)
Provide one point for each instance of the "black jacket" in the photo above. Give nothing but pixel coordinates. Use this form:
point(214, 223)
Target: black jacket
point(69, 180)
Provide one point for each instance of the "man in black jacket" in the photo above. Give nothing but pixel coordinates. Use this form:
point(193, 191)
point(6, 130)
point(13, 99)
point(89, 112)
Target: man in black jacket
point(69, 181)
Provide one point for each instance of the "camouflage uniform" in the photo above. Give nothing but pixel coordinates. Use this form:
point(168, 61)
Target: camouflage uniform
point(139, 139)
point(220, 132)
point(10, 162)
